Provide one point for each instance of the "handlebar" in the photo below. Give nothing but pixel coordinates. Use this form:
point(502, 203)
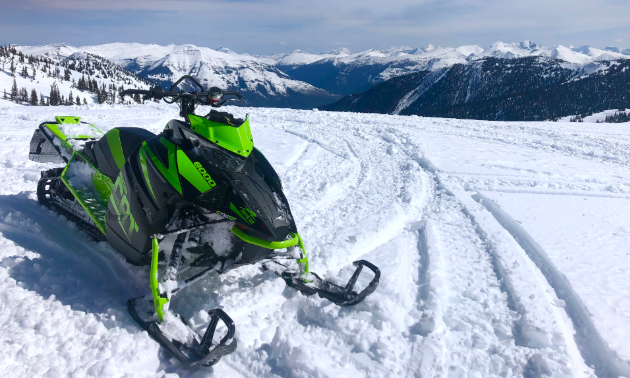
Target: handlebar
point(159, 93)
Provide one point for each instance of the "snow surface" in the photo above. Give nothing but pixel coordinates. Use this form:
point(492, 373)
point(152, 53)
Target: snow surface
point(502, 246)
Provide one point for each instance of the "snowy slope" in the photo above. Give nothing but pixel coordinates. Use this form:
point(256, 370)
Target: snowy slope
point(99, 67)
point(497, 243)
point(42, 81)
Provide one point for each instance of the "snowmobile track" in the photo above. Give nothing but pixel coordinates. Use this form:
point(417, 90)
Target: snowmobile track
point(591, 344)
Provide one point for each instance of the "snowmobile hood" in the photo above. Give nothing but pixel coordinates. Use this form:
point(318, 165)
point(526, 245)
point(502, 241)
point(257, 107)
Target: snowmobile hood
point(237, 139)
point(263, 202)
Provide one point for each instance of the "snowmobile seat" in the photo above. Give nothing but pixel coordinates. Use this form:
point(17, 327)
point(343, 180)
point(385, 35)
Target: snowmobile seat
point(111, 151)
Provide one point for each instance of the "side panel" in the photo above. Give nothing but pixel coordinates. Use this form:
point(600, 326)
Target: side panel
point(138, 207)
point(128, 229)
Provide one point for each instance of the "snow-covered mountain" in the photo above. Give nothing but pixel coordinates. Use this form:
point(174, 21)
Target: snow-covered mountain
point(303, 79)
point(354, 73)
point(260, 82)
point(524, 89)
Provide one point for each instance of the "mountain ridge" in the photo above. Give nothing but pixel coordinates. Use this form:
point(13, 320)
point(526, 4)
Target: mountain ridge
point(300, 79)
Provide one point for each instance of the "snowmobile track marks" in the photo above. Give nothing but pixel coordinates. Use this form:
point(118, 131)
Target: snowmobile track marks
point(592, 346)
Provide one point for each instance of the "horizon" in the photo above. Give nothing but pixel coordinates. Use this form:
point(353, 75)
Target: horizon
point(400, 47)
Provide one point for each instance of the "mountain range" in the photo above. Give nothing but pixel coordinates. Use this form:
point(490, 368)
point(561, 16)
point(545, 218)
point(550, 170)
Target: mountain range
point(304, 80)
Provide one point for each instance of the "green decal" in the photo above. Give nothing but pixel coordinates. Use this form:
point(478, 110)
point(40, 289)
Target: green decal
point(113, 139)
point(195, 173)
point(103, 185)
point(169, 173)
point(245, 213)
point(145, 171)
point(158, 301)
point(236, 139)
point(120, 203)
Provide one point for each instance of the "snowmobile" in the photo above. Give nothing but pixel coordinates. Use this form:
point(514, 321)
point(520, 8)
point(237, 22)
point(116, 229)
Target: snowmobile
point(196, 198)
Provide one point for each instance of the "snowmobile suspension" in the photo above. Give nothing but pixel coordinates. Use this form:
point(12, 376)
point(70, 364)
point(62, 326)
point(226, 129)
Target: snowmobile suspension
point(295, 240)
point(158, 300)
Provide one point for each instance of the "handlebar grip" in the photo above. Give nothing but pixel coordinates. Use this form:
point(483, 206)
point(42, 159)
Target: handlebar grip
point(233, 93)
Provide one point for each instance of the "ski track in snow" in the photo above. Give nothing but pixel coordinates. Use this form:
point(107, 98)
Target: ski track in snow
point(460, 294)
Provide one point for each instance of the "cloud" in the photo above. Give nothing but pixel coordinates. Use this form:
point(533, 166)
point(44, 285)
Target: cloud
point(283, 43)
point(253, 25)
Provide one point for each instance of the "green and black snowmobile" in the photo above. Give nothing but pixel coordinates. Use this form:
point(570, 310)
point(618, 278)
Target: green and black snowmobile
point(195, 199)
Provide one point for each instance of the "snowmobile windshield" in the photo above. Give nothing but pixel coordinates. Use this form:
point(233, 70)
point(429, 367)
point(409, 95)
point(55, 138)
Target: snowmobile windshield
point(236, 139)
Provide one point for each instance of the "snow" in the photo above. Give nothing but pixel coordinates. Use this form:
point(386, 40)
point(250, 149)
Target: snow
point(42, 82)
point(502, 247)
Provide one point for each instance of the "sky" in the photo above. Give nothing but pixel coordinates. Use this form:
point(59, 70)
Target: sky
point(275, 26)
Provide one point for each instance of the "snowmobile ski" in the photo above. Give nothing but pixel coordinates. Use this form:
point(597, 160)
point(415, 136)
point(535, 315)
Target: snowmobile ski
point(340, 295)
point(202, 352)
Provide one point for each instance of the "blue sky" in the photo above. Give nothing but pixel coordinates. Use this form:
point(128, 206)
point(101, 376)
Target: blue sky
point(265, 27)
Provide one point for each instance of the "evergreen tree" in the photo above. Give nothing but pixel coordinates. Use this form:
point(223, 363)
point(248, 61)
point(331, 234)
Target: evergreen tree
point(24, 72)
point(5, 94)
point(34, 99)
point(84, 101)
point(23, 95)
point(14, 91)
point(66, 74)
point(136, 98)
point(78, 101)
point(101, 94)
point(54, 97)
point(82, 85)
point(70, 98)
point(42, 102)
point(12, 68)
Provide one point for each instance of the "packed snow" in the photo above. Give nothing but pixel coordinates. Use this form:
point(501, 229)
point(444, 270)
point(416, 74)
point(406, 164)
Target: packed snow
point(502, 246)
